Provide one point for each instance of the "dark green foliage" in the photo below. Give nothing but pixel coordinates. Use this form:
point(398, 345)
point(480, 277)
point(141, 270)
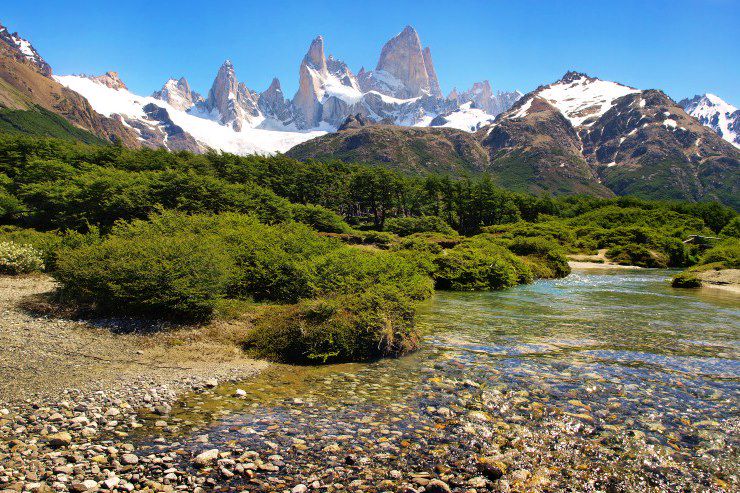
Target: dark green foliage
point(143, 269)
point(732, 229)
point(42, 122)
point(405, 226)
point(727, 253)
point(320, 218)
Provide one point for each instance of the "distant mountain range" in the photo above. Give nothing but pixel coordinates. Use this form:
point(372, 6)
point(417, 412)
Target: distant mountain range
point(579, 134)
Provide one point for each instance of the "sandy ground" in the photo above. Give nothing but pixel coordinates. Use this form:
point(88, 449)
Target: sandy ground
point(44, 356)
point(725, 279)
point(598, 261)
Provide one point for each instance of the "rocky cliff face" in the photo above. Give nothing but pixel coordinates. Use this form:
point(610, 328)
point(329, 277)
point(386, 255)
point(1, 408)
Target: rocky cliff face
point(716, 114)
point(272, 102)
point(178, 94)
point(483, 97)
point(109, 79)
point(312, 74)
point(22, 50)
point(402, 71)
point(230, 100)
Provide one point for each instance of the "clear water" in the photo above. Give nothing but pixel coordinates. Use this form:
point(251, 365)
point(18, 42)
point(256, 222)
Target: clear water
point(612, 371)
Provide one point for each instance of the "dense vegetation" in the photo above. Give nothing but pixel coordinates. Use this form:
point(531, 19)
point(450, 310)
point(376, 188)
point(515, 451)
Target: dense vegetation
point(335, 255)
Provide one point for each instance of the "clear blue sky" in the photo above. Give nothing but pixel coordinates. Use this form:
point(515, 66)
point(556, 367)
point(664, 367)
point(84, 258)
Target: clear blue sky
point(681, 46)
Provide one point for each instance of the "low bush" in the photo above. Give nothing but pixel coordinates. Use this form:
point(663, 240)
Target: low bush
point(320, 218)
point(480, 264)
point(405, 226)
point(19, 259)
point(351, 270)
point(164, 276)
point(727, 253)
point(633, 254)
point(686, 280)
point(363, 326)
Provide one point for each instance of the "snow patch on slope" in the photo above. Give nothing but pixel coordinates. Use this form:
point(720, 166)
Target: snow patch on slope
point(584, 98)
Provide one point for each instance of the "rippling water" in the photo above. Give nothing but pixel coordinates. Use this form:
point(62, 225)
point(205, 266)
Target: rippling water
point(605, 365)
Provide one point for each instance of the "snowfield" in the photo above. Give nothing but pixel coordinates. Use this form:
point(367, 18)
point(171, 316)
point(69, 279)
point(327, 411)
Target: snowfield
point(584, 98)
point(207, 132)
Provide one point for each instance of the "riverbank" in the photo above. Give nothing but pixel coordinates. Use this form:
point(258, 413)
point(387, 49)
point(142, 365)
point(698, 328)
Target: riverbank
point(67, 386)
point(725, 279)
point(44, 356)
point(594, 262)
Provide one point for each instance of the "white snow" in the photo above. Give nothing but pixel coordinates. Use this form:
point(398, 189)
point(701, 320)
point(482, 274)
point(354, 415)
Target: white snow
point(669, 122)
point(206, 131)
point(709, 107)
point(334, 87)
point(467, 118)
point(522, 111)
point(584, 98)
point(25, 47)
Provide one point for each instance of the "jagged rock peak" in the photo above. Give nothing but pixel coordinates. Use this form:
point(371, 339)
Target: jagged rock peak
point(432, 73)
point(717, 114)
point(109, 79)
point(231, 100)
point(315, 55)
point(355, 121)
point(23, 50)
point(572, 76)
point(402, 57)
point(178, 94)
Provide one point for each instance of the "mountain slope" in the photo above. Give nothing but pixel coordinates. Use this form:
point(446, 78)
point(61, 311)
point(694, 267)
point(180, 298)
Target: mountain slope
point(25, 86)
point(577, 135)
point(411, 149)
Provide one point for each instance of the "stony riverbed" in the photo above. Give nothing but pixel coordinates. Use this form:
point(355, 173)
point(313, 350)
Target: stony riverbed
point(599, 382)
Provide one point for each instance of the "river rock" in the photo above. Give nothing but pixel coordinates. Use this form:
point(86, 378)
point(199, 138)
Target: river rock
point(61, 439)
point(437, 486)
point(205, 458)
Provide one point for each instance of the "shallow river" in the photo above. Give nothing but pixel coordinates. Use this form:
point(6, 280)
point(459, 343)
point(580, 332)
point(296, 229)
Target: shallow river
point(603, 381)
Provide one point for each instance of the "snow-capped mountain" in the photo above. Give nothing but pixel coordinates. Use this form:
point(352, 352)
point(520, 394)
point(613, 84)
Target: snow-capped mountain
point(716, 114)
point(579, 134)
point(403, 89)
point(143, 113)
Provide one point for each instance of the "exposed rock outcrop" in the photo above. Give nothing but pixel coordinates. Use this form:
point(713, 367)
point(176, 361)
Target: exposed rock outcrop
point(178, 94)
point(230, 100)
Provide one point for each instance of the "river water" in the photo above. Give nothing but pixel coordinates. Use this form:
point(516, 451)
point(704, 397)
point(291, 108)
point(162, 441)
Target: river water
point(602, 381)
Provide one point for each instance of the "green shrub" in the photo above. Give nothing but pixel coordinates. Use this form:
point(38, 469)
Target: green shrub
point(727, 253)
point(363, 326)
point(320, 218)
point(405, 226)
point(19, 259)
point(632, 254)
point(732, 229)
point(351, 270)
point(381, 239)
point(479, 265)
point(142, 269)
point(686, 280)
